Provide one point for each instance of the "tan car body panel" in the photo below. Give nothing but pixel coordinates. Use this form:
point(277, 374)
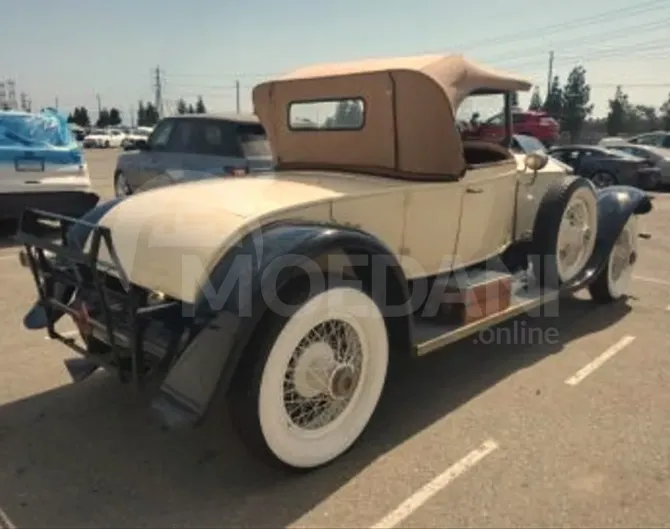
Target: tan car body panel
point(169, 239)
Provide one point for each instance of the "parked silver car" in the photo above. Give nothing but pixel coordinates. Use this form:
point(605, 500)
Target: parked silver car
point(194, 147)
point(659, 156)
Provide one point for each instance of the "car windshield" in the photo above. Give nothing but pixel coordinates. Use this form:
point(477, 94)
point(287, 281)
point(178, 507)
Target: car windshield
point(253, 141)
point(529, 144)
point(96, 132)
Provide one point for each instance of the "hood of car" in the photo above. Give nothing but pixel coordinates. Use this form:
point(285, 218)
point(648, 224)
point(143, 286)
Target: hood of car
point(170, 238)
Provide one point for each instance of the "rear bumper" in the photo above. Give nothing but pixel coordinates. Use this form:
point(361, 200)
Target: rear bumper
point(123, 330)
point(70, 203)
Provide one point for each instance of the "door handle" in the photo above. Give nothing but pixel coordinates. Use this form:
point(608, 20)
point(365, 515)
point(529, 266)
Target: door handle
point(474, 190)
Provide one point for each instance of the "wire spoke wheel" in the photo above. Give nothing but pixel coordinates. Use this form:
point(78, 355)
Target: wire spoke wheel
point(319, 379)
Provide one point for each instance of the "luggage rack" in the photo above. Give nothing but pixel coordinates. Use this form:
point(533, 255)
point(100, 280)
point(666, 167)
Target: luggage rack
point(61, 271)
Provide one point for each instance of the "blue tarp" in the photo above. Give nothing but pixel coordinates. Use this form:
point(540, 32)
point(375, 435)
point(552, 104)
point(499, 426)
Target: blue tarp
point(46, 135)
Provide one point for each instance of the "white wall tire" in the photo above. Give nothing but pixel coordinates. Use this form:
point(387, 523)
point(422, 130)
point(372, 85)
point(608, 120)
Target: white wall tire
point(613, 283)
point(565, 231)
point(314, 386)
point(576, 234)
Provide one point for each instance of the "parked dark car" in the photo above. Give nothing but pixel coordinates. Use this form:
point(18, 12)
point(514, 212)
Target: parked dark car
point(606, 167)
point(194, 147)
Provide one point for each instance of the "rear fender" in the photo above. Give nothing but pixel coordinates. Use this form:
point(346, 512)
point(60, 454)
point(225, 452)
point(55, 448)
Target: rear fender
point(616, 204)
point(207, 366)
point(36, 317)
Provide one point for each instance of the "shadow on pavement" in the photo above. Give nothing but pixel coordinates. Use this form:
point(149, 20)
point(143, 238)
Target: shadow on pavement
point(8, 232)
point(88, 455)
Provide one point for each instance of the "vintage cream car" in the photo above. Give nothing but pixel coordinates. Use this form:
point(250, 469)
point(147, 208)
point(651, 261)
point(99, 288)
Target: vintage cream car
point(380, 234)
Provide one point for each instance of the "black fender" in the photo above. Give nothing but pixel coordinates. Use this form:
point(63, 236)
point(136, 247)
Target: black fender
point(616, 204)
point(260, 265)
point(36, 317)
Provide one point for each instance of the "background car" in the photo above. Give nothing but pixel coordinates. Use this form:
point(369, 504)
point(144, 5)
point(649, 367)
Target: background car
point(103, 138)
point(194, 147)
point(659, 156)
point(606, 167)
point(41, 166)
point(652, 139)
point(533, 123)
point(134, 136)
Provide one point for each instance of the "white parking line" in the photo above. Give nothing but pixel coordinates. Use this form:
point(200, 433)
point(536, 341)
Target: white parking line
point(7, 257)
point(425, 493)
point(599, 361)
point(66, 334)
point(5, 522)
point(653, 280)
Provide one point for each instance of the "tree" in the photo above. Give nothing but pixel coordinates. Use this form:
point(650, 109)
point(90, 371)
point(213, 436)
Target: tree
point(665, 114)
point(182, 107)
point(141, 114)
point(190, 110)
point(616, 118)
point(200, 106)
point(535, 100)
point(576, 107)
point(147, 115)
point(151, 115)
point(646, 118)
point(553, 104)
point(514, 99)
point(81, 117)
point(114, 117)
point(103, 118)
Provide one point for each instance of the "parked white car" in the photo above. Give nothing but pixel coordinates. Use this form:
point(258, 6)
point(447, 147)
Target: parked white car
point(131, 139)
point(104, 138)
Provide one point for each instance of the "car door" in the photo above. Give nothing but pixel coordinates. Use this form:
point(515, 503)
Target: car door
point(487, 211)
point(173, 164)
point(145, 165)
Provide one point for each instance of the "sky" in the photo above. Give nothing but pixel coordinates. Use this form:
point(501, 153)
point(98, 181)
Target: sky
point(70, 51)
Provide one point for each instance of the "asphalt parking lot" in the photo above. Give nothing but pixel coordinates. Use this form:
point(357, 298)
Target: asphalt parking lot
point(560, 421)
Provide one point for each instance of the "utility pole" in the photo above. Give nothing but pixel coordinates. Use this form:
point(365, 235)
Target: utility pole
point(97, 97)
point(56, 102)
point(158, 91)
point(550, 75)
point(237, 96)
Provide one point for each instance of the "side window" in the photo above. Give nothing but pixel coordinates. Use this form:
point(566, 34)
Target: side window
point(161, 135)
point(666, 141)
point(183, 137)
point(217, 138)
point(518, 118)
point(649, 139)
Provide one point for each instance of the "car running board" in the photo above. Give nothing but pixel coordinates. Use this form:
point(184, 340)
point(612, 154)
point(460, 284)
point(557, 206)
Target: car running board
point(432, 334)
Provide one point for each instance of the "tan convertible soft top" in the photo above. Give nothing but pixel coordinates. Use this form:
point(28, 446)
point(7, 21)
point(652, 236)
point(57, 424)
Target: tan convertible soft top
point(409, 105)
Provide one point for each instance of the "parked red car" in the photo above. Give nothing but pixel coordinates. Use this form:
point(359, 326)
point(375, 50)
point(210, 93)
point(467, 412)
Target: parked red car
point(528, 122)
